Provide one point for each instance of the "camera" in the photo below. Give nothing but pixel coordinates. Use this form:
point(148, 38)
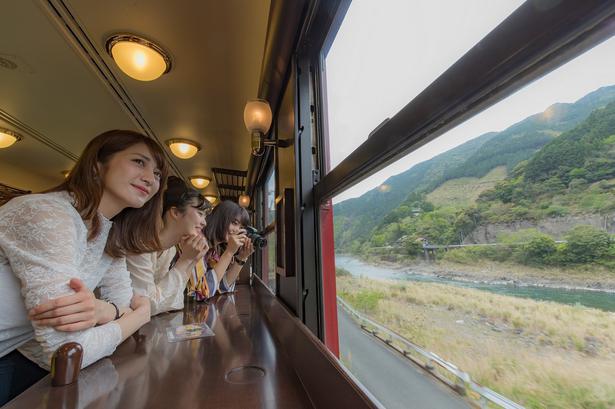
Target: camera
point(257, 237)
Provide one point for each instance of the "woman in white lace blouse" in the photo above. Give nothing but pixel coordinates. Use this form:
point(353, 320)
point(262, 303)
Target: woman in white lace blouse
point(160, 275)
point(72, 240)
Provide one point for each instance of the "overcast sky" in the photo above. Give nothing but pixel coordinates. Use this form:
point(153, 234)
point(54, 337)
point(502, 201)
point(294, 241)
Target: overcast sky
point(387, 51)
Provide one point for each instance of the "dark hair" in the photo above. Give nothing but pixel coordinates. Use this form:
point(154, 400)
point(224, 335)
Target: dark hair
point(220, 219)
point(134, 230)
point(179, 195)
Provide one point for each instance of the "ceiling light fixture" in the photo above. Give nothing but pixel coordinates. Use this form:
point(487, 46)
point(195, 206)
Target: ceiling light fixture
point(183, 148)
point(137, 57)
point(8, 138)
point(200, 182)
point(212, 199)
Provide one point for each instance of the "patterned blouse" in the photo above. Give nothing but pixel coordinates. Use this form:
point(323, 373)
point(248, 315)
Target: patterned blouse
point(203, 283)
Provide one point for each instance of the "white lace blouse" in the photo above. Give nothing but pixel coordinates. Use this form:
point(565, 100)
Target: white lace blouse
point(43, 244)
point(152, 277)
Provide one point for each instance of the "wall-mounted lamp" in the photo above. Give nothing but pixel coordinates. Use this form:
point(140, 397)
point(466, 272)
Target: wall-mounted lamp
point(137, 57)
point(200, 182)
point(257, 117)
point(244, 201)
point(8, 138)
point(183, 148)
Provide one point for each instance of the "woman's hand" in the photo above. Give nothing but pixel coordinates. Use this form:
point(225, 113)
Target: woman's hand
point(73, 312)
point(235, 241)
point(246, 250)
point(193, 248)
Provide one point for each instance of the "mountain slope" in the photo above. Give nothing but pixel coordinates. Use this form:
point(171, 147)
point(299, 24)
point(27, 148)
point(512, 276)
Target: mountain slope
point(356, 218)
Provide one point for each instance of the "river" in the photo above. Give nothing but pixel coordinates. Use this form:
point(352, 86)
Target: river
point(594, 299)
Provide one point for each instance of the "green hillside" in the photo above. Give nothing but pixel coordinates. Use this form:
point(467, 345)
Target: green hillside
point(574, 173)
point(359, 220)
point(464, 191)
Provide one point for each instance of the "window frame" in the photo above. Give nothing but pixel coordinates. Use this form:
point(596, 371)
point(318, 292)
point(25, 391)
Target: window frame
point(527, 45)
point(501, 63)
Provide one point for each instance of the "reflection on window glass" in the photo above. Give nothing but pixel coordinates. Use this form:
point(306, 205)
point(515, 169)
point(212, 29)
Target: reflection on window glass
point(386, 52)
point(492, 247)
point(270, 218)
point(271, 260)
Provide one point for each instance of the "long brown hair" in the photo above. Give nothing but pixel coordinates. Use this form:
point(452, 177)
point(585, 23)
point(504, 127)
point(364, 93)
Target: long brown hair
point(134, 230)
point(220, 219)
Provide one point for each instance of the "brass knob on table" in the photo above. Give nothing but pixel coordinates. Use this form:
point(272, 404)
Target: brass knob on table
point(66, 364)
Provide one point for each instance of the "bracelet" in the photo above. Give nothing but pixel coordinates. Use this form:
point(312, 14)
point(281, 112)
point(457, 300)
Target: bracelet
point(239, 261)
point(117, 312)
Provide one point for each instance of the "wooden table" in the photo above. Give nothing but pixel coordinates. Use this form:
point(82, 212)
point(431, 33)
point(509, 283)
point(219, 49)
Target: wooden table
point(240, 367)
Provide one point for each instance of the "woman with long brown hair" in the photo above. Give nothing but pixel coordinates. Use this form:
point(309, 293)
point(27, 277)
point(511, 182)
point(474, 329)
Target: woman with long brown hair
point(57, 246)
point(162, 275)
point(229, 250)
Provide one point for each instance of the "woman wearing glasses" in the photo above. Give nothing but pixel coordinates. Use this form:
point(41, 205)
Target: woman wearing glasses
point(162, 276)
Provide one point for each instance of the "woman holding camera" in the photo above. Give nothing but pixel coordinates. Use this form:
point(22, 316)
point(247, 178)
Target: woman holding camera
point(56, 247)
point(230, 249)
point(161, 275)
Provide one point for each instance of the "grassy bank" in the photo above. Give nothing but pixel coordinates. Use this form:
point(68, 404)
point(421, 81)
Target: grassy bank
point(540, 354)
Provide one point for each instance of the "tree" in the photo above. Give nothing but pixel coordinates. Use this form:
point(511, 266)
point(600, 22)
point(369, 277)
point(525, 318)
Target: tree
point(587, 244)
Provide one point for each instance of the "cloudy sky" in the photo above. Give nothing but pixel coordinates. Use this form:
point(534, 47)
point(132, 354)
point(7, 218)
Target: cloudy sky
point(387, 51)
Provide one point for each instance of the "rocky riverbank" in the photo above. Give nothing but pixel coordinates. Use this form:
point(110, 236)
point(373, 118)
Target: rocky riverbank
point(592, 278)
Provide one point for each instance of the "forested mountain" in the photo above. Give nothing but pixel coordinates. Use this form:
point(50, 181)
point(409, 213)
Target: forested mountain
point(356, 219)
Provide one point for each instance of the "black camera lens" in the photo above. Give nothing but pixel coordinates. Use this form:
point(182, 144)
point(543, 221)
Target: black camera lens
point(257, 238)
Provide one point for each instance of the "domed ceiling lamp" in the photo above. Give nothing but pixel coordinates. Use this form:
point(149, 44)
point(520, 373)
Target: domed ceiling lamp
point(212, 199)
point(138, 57)
point(200, 182)
point(8, 138)
point(183, 148)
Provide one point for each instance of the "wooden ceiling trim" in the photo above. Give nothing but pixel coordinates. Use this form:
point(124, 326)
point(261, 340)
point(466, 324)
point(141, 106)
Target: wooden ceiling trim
point(39, 136)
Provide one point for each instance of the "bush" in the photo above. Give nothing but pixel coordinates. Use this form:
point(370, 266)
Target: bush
point(413, 247)
point(538, 249)
point(364, 300)
point(342, 272)
point(587, 244)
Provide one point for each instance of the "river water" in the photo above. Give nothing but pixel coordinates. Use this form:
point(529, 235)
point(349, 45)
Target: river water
point(594, 299)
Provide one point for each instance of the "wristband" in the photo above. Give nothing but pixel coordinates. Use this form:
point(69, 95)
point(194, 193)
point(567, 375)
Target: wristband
point(117, 312)
point(239, 261)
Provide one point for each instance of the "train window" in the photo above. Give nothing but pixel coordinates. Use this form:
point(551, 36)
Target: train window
point(396, 48)
point(487, 254)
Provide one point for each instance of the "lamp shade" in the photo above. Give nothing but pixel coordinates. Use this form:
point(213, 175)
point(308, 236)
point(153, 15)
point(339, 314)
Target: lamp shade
point(244, 201)
point(212, 199)
point(183, 148)
point(8, 138)
point(200, 182)
point(138, 58)
point(257, 116)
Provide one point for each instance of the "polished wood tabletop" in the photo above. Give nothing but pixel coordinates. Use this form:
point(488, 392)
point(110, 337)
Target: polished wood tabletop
point(241, 366)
